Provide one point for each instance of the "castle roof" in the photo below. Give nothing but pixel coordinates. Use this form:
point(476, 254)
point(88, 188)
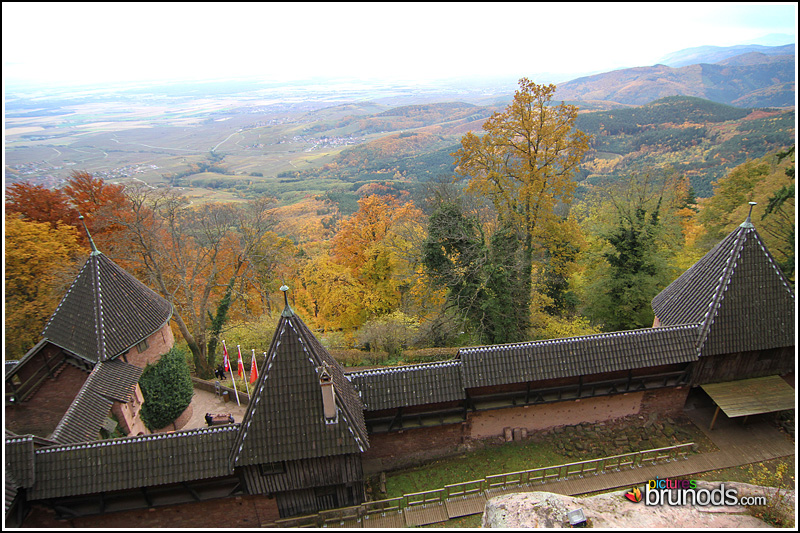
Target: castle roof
point(105, 312)
point(118, 464)
point(285, 417)
point(407, 385)
point(577, 356)
point(736, 293)
point(108, 382)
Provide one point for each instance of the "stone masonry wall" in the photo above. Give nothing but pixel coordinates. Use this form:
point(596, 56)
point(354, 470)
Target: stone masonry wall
point(488, 424)
point(399, 449)
point(158, 344)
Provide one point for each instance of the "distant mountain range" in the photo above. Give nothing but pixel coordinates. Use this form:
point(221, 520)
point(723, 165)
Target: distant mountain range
point(717, 54)
point(742, 76)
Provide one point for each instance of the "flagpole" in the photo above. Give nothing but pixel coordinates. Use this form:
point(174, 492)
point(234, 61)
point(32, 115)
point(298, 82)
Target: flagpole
point(230, 369)
point(234, 381)
point(244, 374)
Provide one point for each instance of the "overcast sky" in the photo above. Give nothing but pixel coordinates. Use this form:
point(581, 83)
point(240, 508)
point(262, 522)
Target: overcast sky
point(95, 43)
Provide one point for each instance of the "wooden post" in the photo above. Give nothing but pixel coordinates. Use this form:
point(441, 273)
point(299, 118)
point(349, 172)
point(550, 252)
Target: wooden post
point(714, 419)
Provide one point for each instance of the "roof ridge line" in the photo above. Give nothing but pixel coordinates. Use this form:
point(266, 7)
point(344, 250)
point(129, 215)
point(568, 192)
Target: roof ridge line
point(64, 298)
point(350, 418)
point(722, 285)
point(252, 404)
point(577, 337)
point(121, 441)
point(772, 264)
point(412, 366)
point(98, 293)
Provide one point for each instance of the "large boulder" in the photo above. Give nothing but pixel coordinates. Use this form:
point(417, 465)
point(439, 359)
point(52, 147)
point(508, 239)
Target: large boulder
point(614, 510)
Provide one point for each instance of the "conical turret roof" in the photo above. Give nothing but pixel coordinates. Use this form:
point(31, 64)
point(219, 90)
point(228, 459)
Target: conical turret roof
point(737, 294)
point(105, 312)
point(285, 419)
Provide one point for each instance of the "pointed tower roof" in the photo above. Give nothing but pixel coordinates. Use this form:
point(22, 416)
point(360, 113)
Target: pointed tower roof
point(105, 312)
point(737, 294)
point(286, 417)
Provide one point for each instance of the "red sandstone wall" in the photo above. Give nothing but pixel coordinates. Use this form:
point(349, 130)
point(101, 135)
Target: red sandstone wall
point(179, 422)
point(486, 424)
point(665, 402)
point(158, 344)
point(40, 413)
point(242, 511)
point(399, 449)
point(128, 414)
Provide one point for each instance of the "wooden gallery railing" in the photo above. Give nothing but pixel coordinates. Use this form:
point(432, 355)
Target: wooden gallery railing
point(494, 483)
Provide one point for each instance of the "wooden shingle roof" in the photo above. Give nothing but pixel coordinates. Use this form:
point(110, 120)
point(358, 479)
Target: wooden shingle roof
point(105, 312)
point(736, 293)
point(402, 386)
point(132, 462)
point(284, 419)
point(577, 356)
point(108, 382)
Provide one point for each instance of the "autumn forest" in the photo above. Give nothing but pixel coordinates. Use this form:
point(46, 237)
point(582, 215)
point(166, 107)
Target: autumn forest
point(508, 239)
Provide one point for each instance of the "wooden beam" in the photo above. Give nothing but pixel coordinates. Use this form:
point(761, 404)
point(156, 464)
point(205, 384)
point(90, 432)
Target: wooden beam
point(710, 427)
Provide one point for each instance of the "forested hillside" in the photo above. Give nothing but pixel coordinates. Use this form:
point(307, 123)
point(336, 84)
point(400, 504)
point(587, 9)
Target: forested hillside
point(514, 243)
point(697, 138)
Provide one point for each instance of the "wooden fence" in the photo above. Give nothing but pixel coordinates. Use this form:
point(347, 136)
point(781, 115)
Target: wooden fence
point(497, 482)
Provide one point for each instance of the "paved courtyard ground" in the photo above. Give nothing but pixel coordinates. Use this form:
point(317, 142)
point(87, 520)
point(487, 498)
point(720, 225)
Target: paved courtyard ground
point(208, 402)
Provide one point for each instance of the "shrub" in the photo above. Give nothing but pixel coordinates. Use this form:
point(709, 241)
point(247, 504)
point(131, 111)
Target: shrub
point(778, 484)
point(391, 333)
point(167, 389)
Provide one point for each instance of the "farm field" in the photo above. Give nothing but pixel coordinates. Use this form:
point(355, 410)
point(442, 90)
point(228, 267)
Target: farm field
point(330, 141)
point(151, 135)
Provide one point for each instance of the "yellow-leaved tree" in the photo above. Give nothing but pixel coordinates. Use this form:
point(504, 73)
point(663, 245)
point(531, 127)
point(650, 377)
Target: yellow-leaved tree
point(37, 256)
point(524, 163)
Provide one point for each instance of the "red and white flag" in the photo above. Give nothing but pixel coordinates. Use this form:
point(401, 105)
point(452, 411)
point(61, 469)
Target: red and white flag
point(253, 368)
point(225, 363)
point(240, 371)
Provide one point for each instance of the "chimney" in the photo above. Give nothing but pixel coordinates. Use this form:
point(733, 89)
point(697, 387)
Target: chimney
point(328, 394)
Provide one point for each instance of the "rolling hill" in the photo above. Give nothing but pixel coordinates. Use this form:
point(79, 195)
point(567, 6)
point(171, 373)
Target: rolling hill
point(695, 137)
point(718, 54)
point(754, 79)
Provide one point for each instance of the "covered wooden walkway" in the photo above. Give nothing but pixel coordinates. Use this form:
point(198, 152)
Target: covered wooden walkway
point(739, 444)
point(746, 397)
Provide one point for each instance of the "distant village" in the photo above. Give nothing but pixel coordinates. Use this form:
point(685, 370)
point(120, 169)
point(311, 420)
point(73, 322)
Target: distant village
point(44, 174)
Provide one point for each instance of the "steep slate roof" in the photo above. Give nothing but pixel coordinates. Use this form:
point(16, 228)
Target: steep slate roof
point(105, 312)
point(576, 356)
point(132, 462)
point(403, 386)
point(108, 382)
point(11, 489)
point(736, 293)
point(20, 465)
point(284, 419)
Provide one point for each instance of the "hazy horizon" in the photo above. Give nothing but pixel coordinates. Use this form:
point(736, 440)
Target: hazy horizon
point(102, 45)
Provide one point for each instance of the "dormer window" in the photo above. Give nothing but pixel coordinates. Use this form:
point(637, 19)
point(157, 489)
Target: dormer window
point(328, 395)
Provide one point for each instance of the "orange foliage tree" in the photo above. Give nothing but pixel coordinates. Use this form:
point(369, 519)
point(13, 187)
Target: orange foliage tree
point(40, 204)
point(36, 258)
point(195, 255)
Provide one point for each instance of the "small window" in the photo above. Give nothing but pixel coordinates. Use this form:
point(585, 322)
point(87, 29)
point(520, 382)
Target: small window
point(142, 346)
point(268, 469)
